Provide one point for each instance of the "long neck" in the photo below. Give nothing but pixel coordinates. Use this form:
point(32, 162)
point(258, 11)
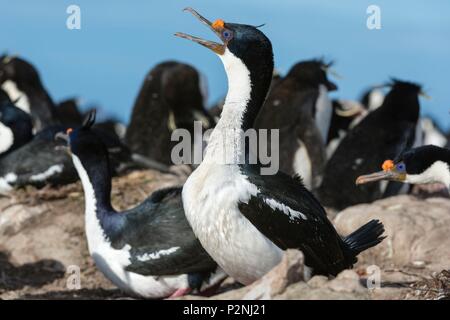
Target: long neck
point(248, 84)
point(96, 182)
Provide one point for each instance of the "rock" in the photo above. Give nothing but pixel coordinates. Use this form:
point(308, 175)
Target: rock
point(286, 281)
point(346, 286)
point(288, 271)
point(417, 231)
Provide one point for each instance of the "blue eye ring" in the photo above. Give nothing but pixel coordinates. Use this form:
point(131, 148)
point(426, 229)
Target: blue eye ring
point(227, 34)
point(401, 167)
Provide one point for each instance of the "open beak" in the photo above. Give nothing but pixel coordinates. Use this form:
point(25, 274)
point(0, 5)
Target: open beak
point(214, 46)
point(378, 176)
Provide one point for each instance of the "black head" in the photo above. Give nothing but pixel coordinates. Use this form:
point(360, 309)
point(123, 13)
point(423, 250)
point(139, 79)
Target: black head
point(83, 142)
point(405, 86)
point(181, 87)
point(418, 160)
point(402, 101)
point(19, 71)
point(411, 165)
point(312, 73)
point(245, 42)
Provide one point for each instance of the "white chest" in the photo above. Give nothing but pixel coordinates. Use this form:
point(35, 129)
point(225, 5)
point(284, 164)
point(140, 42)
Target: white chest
point(210, 198)
point(6, 138)
point(302, 164)
point(14, 94)
point(324, 112)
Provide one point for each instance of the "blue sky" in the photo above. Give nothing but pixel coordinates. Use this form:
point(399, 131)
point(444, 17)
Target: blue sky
point(105, 62)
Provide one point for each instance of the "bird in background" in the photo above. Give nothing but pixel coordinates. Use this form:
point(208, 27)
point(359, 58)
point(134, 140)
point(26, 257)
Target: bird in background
point(345, 114)
point(172, 97)
point(298, 105)
point(384, 132)
point(243, 219)
point(21, 81)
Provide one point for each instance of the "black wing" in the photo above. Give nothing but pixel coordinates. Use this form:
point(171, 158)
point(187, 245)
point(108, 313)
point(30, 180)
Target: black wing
point(36, 158)
point(161, 239)
point(306, 227)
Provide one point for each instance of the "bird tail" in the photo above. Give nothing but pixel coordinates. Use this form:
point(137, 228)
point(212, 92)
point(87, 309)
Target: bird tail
point(367, 236)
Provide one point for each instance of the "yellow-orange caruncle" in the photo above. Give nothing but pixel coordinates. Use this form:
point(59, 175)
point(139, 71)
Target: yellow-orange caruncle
point(218, 24)
point(388, 165)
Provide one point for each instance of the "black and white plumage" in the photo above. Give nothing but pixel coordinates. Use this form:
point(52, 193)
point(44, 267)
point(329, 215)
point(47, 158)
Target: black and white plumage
point(422, 165)
point(37, 163)
point(432, 134)
point(41, 162)
point(244, 219)
point(298, 105)
point(385, 132)
point(345, 114)
point(172, 96)
point(149, 250)
point(15, 126)
point(21, 82)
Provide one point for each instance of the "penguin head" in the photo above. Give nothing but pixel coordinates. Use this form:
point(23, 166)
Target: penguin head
point(19, 71)
point(402, 101)
point(312, 74)
point(181, 86)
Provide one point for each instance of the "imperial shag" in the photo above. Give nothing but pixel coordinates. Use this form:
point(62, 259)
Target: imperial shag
point(244, 219)
point(149, 250)
point(422, 165)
